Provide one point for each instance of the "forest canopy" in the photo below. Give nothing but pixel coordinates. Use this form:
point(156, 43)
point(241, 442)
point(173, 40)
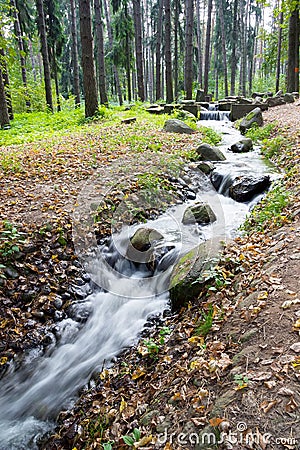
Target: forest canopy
point(59, 53)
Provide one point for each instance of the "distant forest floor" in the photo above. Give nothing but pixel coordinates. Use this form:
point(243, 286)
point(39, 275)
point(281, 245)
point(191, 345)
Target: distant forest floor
point(239, 382)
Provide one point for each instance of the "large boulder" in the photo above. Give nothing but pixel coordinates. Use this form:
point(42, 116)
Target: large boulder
point(208, 153)
point(221, 182)
point(200, 212)
point(244, 188)
point(177, 126)
point(191, 272)
point(288, 98)
point(254, 118)
point(206, 167)
point(275, 101)
point(143, 238)
point(242, 146)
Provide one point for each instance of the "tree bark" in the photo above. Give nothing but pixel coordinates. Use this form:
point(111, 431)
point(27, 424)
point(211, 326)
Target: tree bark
point(176, 26)
point(128, 58)
point(75, 63)
point(4, 117)
point(18, 33)
point(199, 44)
point(88, 67)
point(293, 52)
point(188, 60)
point(207, 47)
point(45, 53)
point(100, 53)
point(168, 54)
point(233, 48)
point(139, 48)
point(5, 79)
point(158, 51)
point(110, 43)
point(222, 24)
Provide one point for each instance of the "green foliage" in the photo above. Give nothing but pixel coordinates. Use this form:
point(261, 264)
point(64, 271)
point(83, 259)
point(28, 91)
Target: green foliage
point(241, 380)
point(269, 211)
point(210, 136)
point(131, 439)
point(10, 240)
point(107, 446)
point(164, 332)
point(271, 147)
point(205, 324)
point(152, 347)
point(257, 134)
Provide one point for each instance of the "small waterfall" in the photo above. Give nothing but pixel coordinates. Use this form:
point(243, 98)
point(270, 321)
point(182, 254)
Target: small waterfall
point(214, 115)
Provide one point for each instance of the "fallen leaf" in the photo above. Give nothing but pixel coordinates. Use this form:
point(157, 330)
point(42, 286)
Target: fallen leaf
point(295, 347)
point(123, 405)
point(138, 373)
point(266, 405)
point(144, 441)
point(215, 421)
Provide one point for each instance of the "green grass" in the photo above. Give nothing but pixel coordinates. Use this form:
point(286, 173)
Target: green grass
point(210, 136)
point(270, 211)
point(258, 134)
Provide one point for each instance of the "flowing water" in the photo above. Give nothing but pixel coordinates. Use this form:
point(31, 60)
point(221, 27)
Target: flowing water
point(31, 398)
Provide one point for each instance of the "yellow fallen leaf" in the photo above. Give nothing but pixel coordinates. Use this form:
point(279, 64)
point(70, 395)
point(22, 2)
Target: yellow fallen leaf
point(215, 421)
point(197, 340)
point(296, 325)
point(144, 441)
point(263, 295)
point(138, 373)
point(123, 405)
point(3, 360)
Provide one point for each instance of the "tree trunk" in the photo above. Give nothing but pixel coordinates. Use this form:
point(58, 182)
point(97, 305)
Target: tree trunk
point(168, 55)
point(233, 48)
point(45, 53)
point(139, 48)
point(4, 117)
point(176, 22)
point(188, 60)
point(5, 79)
point(88, 67)
point(54, 68)
point(110, 43)
point(128, 58)
point(222, 24)
point(293, 52)
point(158, 50)
point(100, 53)
point(18, 33)
point(199, 44)
point(75, 63)
point(207, 47)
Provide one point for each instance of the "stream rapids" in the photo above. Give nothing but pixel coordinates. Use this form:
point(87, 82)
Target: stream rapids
point(32, 396)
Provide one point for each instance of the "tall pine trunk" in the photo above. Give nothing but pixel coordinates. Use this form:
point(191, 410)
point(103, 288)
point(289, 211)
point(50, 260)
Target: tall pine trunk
point(128, 57)
point(176, 46)
point(100, 52)
point(19, 37)
point(4, 117)
point(139, 48)
point(111, 44)
point(88, 67)
point(188, 60)
point(207, 47)
point(5, 79)
point(45, 53)
point(75, 63)
point(168, 54)
point(199, 44)
point(293, 52)
point(279, 45)
point(222, 24)
point(158, 91)
point(233, 48)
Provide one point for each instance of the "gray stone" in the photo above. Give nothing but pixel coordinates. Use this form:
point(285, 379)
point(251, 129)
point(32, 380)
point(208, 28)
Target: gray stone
point(200, 96)
point(199, 213)
point(206, 167)
point(252, 119)
point(157, 110)
point(191, 272)
point(177, 126)
point(143, 238)
point(129, 120)
point(208, 153)
point(245, 188)
point(275, 101)
point(242, 146)
point(288, 98)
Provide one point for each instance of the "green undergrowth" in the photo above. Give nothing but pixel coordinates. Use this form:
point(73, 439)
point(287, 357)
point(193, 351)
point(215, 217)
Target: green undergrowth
point(270, 212)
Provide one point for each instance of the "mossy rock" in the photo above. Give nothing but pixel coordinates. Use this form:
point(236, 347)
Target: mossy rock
point(191, 272)
point(200, 212)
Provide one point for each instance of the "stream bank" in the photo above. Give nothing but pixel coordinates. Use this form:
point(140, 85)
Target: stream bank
point(186, 382)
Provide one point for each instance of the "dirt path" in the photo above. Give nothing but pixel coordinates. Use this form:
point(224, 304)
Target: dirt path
point(240, 385)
